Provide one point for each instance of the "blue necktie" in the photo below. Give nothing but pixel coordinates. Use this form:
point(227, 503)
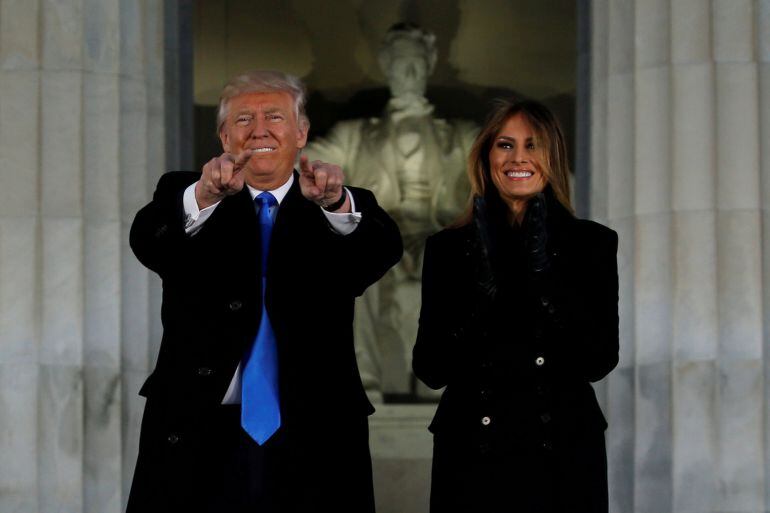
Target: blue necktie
point(260, 412)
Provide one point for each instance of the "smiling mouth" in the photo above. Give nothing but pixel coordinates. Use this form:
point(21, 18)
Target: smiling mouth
point(519, 174)
point(266, 149)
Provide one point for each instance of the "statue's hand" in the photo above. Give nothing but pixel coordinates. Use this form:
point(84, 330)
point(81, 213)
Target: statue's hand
point(321, 183)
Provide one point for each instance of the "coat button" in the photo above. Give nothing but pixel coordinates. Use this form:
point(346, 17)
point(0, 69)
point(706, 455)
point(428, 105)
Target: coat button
point(205, 371)
point(486, 421)
point(235, 305)
point(545, 301)
point(539, 361)
point(547, 445)
point(173, 438)
point(546, 418)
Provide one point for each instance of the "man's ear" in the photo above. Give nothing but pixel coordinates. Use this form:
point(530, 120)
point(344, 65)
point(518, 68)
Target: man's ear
point(303, 127)
point(225, 139)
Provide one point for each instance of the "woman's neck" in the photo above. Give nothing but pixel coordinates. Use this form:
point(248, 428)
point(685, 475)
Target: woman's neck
point(516, 211)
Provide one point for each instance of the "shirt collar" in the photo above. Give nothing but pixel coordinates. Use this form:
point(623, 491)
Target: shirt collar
point(278, 193)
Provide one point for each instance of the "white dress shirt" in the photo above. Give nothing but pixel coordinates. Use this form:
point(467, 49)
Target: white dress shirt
point(343, 223)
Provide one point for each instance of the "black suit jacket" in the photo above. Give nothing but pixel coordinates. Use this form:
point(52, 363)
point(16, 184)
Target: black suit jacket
point(518, 407)
point(212, 303)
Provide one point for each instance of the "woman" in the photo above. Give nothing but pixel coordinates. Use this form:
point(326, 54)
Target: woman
point(519, 315)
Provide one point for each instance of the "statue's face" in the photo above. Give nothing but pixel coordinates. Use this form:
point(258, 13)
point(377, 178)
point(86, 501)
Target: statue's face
point(408, 69)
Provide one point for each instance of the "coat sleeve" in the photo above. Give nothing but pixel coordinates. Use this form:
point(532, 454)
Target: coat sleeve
point(157, 235)
point(437, 343)
point(372, 248)
point(587, 329)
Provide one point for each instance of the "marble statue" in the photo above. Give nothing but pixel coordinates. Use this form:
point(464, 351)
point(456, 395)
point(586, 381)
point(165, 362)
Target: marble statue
point(415, 163)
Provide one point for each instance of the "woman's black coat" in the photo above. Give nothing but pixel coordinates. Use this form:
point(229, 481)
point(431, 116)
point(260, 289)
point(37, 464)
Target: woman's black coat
point(518, 423)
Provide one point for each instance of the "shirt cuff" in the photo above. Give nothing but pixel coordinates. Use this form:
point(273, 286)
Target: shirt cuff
point(344, 223)
point(193, 216)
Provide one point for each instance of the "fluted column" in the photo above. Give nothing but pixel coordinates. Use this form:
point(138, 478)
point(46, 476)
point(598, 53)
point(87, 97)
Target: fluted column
point(81, 144)
point(680, 168)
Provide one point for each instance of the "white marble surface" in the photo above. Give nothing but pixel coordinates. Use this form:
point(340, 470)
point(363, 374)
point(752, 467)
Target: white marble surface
point(653, 469)
point(18, 292)
point(695, 435)
point(739, 391)
point(102, 451)
point(652, 48)
point(696, 329)
point(60, 438)
point(737, 135)
point(621, 416)
point(620, 145)
point(76, 309)
point(739, 284)
point(19, 384)
point(101, 343)
point(402, 449)
point(692, 167)
point(61, 307)
point(62, 34)
point(653, 302)
point(19, 144)
point(688, 407)
point(61, 132)
point(690, 30)
point(652, 140)
point(732, 42)
point(19, 31)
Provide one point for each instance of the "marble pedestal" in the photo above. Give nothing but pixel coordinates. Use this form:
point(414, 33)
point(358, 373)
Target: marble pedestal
point(402, 450)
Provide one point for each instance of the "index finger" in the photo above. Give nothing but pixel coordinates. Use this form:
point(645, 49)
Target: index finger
point(242, 159)
point(305, 167)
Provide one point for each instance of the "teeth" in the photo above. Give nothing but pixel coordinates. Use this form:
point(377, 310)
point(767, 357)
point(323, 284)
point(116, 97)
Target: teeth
point(519, 174)
point(263, 150)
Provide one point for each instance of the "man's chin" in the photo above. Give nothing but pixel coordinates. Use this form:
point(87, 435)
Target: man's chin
point(268, 173)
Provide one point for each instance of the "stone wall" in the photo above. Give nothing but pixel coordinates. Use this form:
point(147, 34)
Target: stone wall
point(81, 146)
point(680, 167)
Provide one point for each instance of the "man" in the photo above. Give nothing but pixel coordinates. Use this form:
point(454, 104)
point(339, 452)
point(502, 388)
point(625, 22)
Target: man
point(415, 163)
point(256, 403)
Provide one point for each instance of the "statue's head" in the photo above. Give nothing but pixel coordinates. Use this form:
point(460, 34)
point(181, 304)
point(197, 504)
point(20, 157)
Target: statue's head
point(407, 57)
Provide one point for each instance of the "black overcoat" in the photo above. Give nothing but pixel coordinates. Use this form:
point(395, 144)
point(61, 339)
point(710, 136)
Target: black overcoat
point(518, 427)
point(211, 310)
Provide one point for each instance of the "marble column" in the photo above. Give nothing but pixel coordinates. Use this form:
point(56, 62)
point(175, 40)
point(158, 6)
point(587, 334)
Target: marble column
point(81, 146)
point(680, 167)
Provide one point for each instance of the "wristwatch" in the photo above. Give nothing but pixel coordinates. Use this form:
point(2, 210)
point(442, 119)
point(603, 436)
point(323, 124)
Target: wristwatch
point(337, 204)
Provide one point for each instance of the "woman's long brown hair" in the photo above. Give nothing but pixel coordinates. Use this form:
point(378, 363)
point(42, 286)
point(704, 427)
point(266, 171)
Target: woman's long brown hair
point(549, 138)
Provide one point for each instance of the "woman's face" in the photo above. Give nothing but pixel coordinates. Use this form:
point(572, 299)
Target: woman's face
point(515, 163)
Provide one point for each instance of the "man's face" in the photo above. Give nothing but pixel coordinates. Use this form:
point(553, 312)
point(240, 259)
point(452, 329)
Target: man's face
point(408, 70)
point(266, 123)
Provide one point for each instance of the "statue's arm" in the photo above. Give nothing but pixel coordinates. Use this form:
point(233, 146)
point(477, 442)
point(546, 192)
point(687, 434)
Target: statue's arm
point(452, 192)
point(339, 146)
